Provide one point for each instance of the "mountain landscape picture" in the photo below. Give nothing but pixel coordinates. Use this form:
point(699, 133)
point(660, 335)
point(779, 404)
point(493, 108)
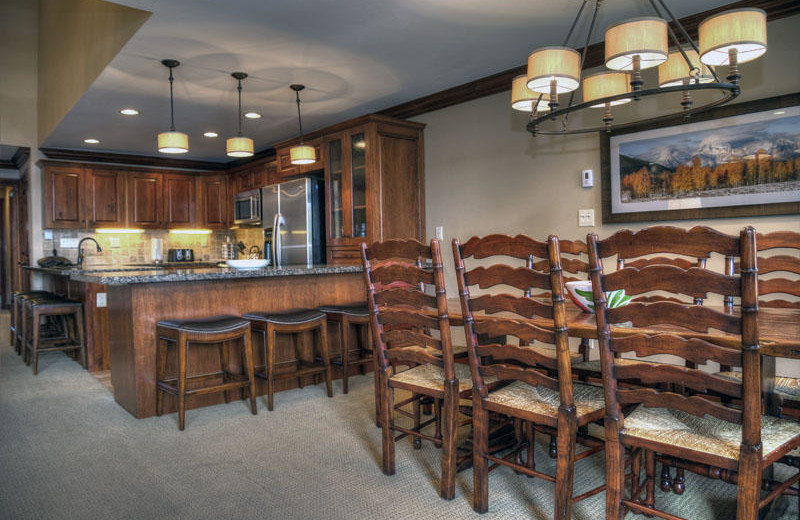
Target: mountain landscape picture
point(759, 157)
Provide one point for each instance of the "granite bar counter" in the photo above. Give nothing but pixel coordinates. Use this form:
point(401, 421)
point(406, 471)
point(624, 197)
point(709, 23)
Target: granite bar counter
point(138, 297)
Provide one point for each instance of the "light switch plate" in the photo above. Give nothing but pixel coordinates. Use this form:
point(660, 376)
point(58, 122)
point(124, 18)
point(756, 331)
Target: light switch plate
point(440, 232)
point(101, 299)
point(68, 242)
point(585, 217)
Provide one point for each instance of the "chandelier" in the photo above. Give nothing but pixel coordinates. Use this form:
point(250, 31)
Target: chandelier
point(631, 46)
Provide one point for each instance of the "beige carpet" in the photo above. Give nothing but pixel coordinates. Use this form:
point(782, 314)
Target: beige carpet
point(68, 451)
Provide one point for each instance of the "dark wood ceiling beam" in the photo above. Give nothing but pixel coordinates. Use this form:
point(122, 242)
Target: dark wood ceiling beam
point(501, 81)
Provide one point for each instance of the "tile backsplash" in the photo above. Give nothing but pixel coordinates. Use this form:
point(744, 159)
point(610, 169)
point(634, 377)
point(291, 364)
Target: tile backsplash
point(135, 248)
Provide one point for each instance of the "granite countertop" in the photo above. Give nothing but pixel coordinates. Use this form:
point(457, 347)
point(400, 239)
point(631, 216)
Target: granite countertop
point(136, 274)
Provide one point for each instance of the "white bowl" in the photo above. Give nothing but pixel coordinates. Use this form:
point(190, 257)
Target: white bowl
point(247, 264)
point(580, 292)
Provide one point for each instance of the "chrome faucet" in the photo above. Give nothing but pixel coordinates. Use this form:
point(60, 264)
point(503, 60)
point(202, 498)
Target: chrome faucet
point(79, 261)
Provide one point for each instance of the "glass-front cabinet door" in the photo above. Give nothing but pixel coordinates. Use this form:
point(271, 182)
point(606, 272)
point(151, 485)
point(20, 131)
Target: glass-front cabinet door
point(345, 156)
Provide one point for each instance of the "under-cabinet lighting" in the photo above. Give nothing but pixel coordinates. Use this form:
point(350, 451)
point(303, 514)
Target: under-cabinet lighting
point(190, 231)
point(120, 231)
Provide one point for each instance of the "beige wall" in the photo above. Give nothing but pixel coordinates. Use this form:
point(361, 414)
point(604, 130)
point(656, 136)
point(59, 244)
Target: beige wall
point(18, 41)
point(486, 174)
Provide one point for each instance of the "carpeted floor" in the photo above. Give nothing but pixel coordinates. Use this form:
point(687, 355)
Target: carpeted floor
point(68, 451)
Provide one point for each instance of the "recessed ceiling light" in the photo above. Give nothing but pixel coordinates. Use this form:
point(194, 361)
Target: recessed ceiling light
point(779, 113)
point(129, 112)
point(252, 115)
point(91, 140)
point(210, 134)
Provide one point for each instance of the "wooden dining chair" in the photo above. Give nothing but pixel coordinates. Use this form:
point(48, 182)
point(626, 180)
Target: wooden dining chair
point(408, 309)
point(695, 429)
point(495, 308)
point(779, 281)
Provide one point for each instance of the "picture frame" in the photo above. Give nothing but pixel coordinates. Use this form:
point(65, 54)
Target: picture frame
point(713, 166)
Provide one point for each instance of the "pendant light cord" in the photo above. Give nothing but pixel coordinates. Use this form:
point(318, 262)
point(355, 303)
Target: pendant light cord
point(299, 119)
point(239, 88)
point(171, 108)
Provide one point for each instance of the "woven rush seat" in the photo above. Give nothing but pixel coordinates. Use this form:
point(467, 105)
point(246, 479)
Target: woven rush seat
point(707, 434)
point(295, 317)
point(784, 386)
point(544, 401)
point(432, 377)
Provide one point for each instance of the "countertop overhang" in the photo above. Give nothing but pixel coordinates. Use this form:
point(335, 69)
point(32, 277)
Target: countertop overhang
point(126, 275)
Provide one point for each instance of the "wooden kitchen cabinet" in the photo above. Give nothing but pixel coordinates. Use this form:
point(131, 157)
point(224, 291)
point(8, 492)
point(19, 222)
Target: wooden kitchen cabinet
point(144, 198)
point(374, 182)
point(251, 177)
point(180, 201)
point(213, 202)
point(105, 198)
point(64, 197)
point(285, 167)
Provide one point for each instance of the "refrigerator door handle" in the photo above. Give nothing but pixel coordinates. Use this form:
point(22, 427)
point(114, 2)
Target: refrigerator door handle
point(276, 239)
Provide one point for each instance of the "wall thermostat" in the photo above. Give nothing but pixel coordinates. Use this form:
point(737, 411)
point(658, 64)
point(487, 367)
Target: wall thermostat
point(587, 178)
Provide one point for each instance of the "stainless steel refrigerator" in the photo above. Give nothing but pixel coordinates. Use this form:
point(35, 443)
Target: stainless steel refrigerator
point(292, 215)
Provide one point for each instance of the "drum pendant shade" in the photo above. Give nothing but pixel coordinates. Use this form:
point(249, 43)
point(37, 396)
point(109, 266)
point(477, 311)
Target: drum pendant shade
point(173, 142)
point(523, 99)
point(302, 154)
point(742, 29)
point(239, 147)
point(645, 37)
point(604, 84)
point(675, 71)
point(559, 64)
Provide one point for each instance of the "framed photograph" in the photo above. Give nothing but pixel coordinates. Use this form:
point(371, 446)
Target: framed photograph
point(731, 161)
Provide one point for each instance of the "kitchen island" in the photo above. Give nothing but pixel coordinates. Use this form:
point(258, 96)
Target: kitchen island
point(137, 298)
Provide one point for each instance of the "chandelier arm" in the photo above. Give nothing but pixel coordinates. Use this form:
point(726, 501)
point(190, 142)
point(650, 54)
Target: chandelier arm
point(585, 47)
point(685, 34)
point(731, 92)
point(575, 22)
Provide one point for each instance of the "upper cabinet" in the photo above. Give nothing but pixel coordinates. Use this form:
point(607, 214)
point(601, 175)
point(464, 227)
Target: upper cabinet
point(212, 201)
point(105, 198)
point(64, 197)
point(249, 177)
point(180, 200)
point(374, 181)
point(144, 196)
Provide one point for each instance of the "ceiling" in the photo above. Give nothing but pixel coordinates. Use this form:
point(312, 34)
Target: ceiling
point(355, 57)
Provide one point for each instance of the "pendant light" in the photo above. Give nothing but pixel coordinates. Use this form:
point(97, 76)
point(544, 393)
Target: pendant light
point(239, 146)
point(302, 153)
point(172, 141)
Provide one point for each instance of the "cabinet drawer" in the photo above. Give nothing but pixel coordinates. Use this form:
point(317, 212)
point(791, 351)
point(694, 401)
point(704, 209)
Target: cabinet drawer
point(348, 255)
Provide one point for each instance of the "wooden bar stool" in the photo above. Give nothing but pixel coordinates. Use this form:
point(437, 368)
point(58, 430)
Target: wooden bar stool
point(292, 322)
point(182, 333)
point(15, 325)
point(67, 336)
point(346, 315)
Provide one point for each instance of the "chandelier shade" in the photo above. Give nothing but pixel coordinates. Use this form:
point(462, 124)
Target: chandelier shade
point(675, 71)
point(606, 84)
point(639, 39)
point(741, 31)
point(523, 98)
point(239, 147)
point(173, 142)
point(558, 67)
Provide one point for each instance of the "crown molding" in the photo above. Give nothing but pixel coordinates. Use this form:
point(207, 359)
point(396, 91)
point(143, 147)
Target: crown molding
point(62, 154)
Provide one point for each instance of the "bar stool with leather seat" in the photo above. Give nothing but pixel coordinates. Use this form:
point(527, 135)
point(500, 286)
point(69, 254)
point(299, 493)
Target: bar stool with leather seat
point(269, 324)
point(345, 316)
point(183, 332)
point(36, 338)
point(16, 316)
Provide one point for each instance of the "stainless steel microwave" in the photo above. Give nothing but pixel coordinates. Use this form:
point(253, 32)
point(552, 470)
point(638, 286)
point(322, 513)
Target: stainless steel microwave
point(247, 207)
